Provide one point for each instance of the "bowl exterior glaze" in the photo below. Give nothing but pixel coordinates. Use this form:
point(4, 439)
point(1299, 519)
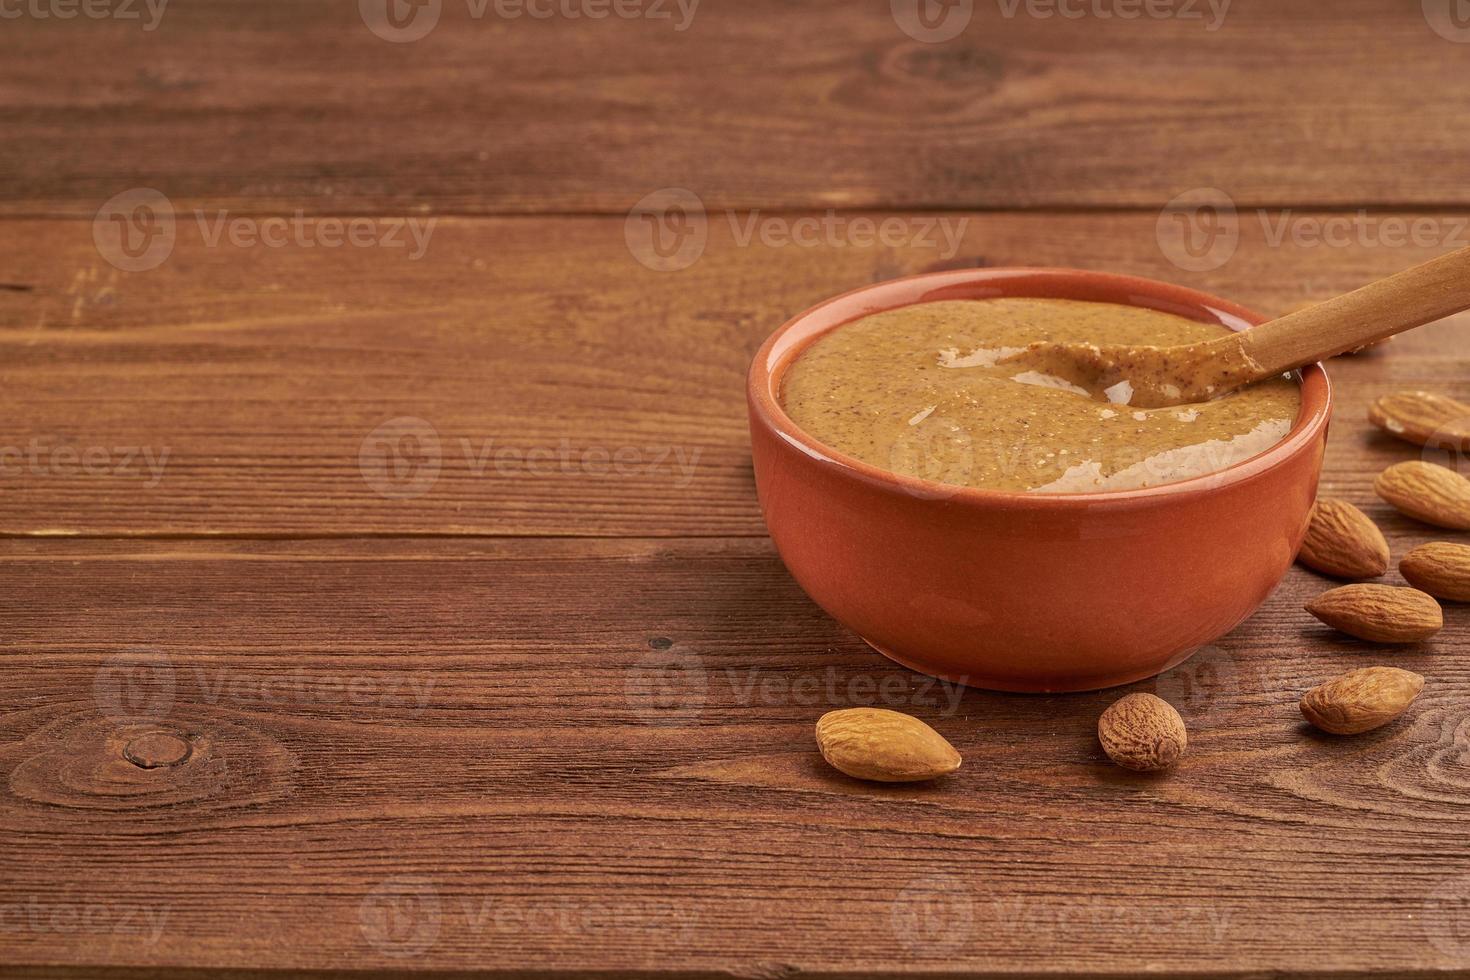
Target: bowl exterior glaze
point(1025, 592)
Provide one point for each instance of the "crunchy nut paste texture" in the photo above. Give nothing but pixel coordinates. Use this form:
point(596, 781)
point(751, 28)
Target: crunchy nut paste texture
point(924, 391)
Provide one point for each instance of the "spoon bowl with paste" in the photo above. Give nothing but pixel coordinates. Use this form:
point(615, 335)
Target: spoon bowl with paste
point(1156, 377)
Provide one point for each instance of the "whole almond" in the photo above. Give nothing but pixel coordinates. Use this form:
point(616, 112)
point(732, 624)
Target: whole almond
point(1142, 732)
point(1424, 418)
point(1361, 700)
point(1342, 541)
point(1381, 613)
point(1439, 568)
point(1428, 492)
point(885, 746)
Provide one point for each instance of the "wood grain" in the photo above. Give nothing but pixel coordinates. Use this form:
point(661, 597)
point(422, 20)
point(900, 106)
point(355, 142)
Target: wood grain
point(455, 754)
point(274, 107)
point(572, 390)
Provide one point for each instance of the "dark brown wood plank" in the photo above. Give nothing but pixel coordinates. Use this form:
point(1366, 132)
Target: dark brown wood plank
point(282, 106)
point(263, 373)
point(597, 755)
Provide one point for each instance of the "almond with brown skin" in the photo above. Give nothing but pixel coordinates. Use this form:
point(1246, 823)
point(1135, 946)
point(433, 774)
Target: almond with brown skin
point(1142, 732)
point(1424, 418)
point(1361, 700)
point(1381, 613)
point(1342, 541)
point(884, 746)
point(1425, 491)
point(1439, 568)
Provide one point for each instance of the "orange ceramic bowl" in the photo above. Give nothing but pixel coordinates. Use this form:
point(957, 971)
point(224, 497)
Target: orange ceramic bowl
point(1028, 592)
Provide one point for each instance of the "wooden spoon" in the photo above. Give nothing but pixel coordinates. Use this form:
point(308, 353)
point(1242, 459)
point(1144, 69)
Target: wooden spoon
point(1154, 377)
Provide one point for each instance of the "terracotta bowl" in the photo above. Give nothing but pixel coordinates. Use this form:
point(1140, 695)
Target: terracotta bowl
point(1026, 592)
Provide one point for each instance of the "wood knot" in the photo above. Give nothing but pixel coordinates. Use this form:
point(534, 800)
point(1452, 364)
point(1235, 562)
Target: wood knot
point(154, 750)
point(77, 758)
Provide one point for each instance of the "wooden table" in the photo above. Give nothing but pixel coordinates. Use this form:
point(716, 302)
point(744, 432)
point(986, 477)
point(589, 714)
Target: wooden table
point(364, 611)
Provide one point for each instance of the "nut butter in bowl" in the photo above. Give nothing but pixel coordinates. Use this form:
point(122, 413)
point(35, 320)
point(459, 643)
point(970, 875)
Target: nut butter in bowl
point(977, 519)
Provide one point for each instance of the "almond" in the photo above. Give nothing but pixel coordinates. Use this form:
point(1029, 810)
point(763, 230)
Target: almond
point(885, 746)
point(1342, 541)
point(1142, 732)
point(1361, 700)
point(1428, 492)
point(1439, 568)
point(1424, 418)
point(1381, 613)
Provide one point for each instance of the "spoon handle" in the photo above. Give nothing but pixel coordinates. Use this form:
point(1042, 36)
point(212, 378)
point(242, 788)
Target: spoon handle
point(1380, 309)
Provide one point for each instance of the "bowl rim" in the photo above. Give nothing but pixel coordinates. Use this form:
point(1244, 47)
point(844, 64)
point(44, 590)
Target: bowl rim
point(768, 366)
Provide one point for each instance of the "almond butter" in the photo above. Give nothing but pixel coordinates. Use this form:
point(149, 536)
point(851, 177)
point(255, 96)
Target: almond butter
point(1142, 732)
point(1361, 700)
point(1439, 568)
point(884, 746)
point(1424, 418)
point(1381, 613)
point(1425, 491)
point(1342, 541)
